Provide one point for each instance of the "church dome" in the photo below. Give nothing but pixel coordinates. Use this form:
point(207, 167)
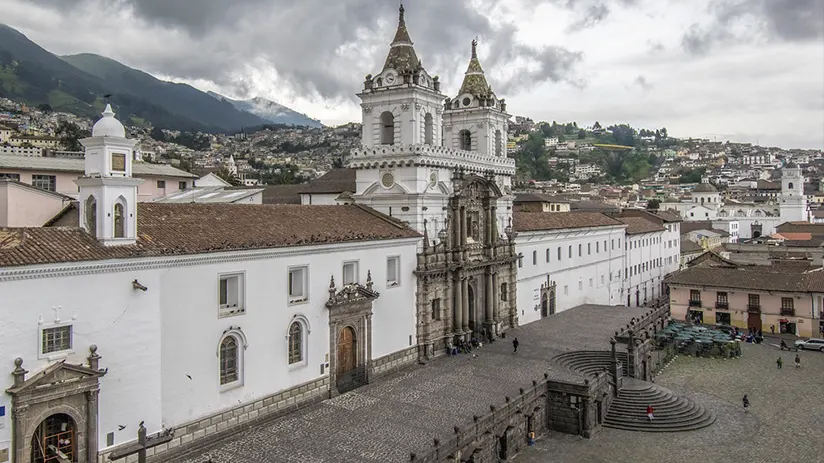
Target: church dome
point(705, 188)
point(108, 126)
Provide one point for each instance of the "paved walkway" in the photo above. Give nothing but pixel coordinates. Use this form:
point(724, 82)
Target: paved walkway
point(402, 413)
point(785, 422)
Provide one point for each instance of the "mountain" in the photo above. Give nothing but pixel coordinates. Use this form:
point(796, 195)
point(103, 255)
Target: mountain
point(77, 84)
point(180, 99)
point(273, 112)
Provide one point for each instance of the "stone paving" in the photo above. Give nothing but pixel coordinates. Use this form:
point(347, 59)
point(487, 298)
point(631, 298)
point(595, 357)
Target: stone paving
point(785, 422)
point(403, 412)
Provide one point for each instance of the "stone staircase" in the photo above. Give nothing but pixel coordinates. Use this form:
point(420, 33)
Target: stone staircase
point(592, 362)
point(673, 413)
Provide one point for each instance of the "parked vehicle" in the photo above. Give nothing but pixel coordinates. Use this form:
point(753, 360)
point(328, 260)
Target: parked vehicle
point(811, 344)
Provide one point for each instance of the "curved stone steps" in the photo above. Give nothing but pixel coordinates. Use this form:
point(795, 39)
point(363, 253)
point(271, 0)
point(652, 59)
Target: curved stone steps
point(673, 413)
point(590, 363)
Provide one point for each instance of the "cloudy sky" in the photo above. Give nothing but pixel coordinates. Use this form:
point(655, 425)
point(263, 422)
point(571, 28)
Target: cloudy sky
point(745, 70)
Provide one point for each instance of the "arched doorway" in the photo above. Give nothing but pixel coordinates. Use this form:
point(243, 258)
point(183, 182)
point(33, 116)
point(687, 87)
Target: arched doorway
point(544, 305)
point(552, 300)
point(54, 440)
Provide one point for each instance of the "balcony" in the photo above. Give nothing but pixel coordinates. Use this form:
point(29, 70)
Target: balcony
point(754, 308)
point(695, 303)
point(787, 312)
point(722, 305)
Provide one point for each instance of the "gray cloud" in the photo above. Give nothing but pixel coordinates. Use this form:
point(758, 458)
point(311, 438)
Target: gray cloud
point(320, 49)
point(744, 20)
point(642, 82)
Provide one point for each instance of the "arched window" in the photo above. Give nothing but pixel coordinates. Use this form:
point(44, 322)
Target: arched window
point(387, 128)
point(570, 251)
point(295, 343)
point(580, 253)
point(465, 140)
point(534, 257)
point(547, 254)
point(498, 144)
point(790, 186)
point(119, 223)
point(91, 216)
point(559, 253)
point(229, 360)
point(428, 129)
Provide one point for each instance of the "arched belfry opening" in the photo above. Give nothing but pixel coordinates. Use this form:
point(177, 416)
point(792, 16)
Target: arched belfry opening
point(465, 140)
point(387, 121)
point(428, 129)
point(91, 215)
point(498, 144)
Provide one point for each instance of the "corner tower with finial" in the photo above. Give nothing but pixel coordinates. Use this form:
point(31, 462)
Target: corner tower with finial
point(476, 120)
point(793, 205)
point(402, 104)
point(108, 193)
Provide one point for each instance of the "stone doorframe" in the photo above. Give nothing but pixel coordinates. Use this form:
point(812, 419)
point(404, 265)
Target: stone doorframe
point(351, 306)
point(60, 388)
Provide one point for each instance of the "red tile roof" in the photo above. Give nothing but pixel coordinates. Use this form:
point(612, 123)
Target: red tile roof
point(178, 229)
point(758, 278)
point(638, 225)
point(539, 221)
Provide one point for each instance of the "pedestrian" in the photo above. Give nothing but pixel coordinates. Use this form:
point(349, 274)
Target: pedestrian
point(772, 329)
point(797, 361)
point(515, 345)
point(779, 362)
point(650, 410)
point(746, 403)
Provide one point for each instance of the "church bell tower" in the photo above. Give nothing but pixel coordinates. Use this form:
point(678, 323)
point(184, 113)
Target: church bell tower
point(793, 206)
point(108, 193)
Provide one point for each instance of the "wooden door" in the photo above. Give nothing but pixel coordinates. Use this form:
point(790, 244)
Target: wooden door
point(347, 353)
point(754, 321)
point(544, 306)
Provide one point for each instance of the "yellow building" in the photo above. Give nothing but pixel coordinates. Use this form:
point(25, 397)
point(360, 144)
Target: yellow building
point(47, 142)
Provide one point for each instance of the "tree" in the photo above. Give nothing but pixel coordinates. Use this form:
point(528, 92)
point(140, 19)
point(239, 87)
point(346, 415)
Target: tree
point(157, 134)
point(45, 107)
point(70, 134)
point(653, 204)
point(582, 134)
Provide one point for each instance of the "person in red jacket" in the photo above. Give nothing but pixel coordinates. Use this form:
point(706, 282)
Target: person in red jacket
point(649, 412)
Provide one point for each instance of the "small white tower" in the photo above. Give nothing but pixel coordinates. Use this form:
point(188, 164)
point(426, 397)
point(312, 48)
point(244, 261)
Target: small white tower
point(108, 193)
point(231, 166)
point(793, 206)
point(476, 120)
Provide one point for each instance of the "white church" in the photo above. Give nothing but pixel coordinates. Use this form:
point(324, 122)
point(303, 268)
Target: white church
point(187, 321)
point(748, 220)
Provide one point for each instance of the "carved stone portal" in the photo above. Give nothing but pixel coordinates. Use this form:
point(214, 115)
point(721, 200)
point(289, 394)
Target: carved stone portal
point(55, 411)
point(350, 335)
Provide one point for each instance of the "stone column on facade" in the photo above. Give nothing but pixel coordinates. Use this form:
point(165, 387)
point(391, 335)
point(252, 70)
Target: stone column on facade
point(368, 350)
point(457, 305)
point(494, 225)
point(463, 226)
point(91, 424)
point(489, 314)
point(465, 303)
point(19, 417)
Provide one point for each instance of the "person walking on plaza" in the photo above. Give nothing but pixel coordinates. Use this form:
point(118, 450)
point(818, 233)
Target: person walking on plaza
point(797, 361)
point(515, 345)
point(746, 403)
point(772, 329)
point(779, 362)
point(650, 410)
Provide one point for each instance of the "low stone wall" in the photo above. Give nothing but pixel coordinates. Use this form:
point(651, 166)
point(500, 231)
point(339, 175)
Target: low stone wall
point(394, 361)
point(190, 436)
point(504, 431)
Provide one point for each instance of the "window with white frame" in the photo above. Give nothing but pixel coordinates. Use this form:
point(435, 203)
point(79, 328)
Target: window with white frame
point(350, 272)
point(298, 285)
point(56, 340)
point(230, 295)
point(393, 271)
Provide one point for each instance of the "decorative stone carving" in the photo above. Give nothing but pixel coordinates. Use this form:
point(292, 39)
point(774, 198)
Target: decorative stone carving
point(418, 106)
point(405, 106)
point(447, 128)
point(367, 109)
point(481, 125)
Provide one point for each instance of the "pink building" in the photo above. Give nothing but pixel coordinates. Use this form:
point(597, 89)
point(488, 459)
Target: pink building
point(715, 291)
point(57, 174)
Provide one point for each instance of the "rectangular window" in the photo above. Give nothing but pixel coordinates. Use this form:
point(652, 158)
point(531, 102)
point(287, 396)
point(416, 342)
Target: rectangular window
point(350, 273)
point(298, 285)
point(181, 185)
point(161, 184)
point(721, 301)
point(787, 306)
point(590, 282)
point(45, 182)
point(10, 176)
point(566, 290)
point(520, 262)
point(436, 309)
point(580, 285)
point(695, 298)
point(754, 302)
point(57, 339)
point(602, 278)
point(613, 243)
point(393, 271)
point(230, 295)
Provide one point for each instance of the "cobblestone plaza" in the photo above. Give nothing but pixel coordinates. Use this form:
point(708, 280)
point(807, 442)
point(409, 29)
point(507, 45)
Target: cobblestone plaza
point(784, 424)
